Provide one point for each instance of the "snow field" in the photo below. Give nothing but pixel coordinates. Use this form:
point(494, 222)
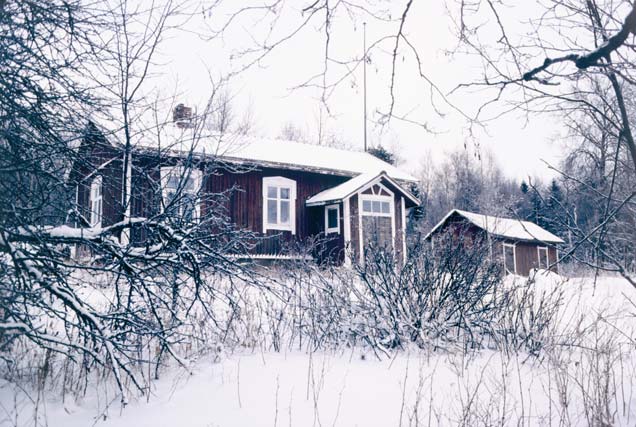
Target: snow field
point(584, 375)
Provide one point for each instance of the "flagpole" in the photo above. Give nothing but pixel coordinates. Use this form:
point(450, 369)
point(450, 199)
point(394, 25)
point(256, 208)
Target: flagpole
point(364, 67)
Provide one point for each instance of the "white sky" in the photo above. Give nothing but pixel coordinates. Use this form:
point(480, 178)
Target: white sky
point(519, 145)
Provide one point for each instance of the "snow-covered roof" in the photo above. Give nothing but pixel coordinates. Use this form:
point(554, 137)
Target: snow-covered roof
point(268, 152)
point(508, 228)
point(347, 188)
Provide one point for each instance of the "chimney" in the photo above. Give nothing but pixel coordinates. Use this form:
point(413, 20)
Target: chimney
point(182, 116)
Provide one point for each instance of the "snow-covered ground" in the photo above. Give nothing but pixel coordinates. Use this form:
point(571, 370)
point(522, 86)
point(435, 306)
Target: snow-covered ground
point(566, 385)
point(302, 390)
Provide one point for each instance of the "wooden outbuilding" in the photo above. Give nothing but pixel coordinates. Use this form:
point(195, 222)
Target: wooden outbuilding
point(520, 246)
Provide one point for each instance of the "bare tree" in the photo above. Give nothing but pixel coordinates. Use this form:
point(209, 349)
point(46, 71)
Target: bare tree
point(220, 114)
point(291, 132)
point(67, 63)
point(587, 69)
point(465, 180)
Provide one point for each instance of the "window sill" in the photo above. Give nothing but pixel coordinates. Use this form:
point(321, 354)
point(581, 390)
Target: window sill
point(271, 227)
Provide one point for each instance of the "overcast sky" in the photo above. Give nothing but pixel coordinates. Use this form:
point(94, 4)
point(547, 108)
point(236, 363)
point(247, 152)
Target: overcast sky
point(520, 145)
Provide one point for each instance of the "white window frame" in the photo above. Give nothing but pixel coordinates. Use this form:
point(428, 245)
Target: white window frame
point(370, 198)
point(96, 201)
point(514, 256)
point(335, 229)
point(547, 257)
point(197, 177)
point(280, 182)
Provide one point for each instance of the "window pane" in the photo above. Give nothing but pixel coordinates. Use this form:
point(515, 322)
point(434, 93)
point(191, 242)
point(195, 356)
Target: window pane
point(332, 218)
point(509, 259)
point(284, 193)
point(366, 206)
point(376, 206)
point(188, 185)
point(172, 182)
point(543, 258)
point(170, 194)
point(187, 208)
point(272, 214)
point(272, 192)
point(386, 207)
point(284, 212)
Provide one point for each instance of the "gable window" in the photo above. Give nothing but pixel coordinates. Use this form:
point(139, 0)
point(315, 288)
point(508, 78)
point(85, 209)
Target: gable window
point(510, 258)
point(332, 219)
point(180, 188)
point(96, 201)
point(279, 204)
point(376, 201)
point(543, 257)
point(376, 207)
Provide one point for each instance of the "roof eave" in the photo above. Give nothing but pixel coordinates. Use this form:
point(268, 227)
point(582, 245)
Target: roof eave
point(323, 202)
point(519, 239)
point(380, 176)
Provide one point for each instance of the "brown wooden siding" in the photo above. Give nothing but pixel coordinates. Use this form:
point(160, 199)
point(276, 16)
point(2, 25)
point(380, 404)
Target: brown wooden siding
point(145, 195)
point(331, 247)
point(526, 255)
point(245, 203)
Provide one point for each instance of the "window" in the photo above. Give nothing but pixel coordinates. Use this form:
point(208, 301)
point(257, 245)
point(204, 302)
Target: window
point(96, 201)
point(543, 257)
point(332, 219)
point(279, 204)
point(376, 207)
point(377, 201)
point(510, 259)
point(180, 188)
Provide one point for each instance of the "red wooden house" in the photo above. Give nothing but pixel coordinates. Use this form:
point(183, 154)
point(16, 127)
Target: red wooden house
point(519, 246)
point(285, 192)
